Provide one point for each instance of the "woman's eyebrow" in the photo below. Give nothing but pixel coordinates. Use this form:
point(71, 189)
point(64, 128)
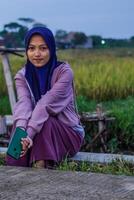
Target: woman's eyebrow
point(39, 45)
point(43, 45)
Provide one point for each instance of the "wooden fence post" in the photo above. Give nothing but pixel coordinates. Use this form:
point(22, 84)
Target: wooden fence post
point(8, 78)
point(101, 126)
point(3, 128)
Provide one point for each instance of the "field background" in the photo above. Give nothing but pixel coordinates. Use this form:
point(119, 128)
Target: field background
point(103, 76)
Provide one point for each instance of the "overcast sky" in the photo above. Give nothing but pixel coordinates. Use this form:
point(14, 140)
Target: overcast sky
point(107, 18)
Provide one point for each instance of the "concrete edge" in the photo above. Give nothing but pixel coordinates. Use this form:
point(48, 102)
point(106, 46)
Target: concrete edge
point(93, 157)
point(3, 150)
point(101, 157)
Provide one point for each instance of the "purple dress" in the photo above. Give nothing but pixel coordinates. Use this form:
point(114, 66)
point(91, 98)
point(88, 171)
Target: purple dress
point(55, 142)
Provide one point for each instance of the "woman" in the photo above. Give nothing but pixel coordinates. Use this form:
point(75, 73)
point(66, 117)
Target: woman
point(45, 106)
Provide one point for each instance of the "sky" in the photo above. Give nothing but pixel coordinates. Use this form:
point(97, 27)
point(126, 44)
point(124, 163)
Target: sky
point(107, 18)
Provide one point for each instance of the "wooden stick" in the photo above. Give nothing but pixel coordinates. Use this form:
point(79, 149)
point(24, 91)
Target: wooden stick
point(8, 78)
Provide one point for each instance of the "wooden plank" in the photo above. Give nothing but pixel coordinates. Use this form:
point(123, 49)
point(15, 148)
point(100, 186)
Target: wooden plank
point(3, 128)
point(11, 50)
point(5, 121)
point(9, 120)
point(8, 78)
point(94, 116)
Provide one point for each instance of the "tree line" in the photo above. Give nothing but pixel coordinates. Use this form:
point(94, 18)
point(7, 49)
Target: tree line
point(13, 35)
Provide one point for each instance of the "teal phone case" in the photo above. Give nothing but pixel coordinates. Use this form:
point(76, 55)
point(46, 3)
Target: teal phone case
point(15, 147)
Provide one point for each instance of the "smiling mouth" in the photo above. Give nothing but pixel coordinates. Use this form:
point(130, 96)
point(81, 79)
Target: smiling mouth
point(37, 59)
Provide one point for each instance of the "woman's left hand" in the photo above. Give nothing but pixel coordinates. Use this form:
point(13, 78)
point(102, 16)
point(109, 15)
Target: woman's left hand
point(26, 144)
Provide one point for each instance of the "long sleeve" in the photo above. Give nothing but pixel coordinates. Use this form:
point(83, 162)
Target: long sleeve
point(23, 107)
point(54, 101)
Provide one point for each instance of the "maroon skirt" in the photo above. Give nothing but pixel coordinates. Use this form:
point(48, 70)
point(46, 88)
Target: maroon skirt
point(54, 143)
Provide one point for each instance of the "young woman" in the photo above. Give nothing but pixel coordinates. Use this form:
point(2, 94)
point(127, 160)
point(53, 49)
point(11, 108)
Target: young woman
point(46, 104)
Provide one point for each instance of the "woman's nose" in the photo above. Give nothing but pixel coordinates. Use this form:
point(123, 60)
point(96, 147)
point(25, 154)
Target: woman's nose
point(37, 52)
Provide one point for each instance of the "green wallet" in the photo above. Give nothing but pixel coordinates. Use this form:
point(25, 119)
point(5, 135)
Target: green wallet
point(15, 146)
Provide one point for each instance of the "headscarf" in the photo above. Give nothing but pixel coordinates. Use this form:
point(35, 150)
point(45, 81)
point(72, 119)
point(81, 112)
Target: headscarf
point(34, 77)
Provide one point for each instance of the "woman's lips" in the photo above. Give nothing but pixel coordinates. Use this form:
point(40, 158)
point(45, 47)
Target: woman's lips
point(37, 59)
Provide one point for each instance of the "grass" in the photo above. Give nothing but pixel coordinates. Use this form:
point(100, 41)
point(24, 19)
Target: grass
point(4, 105)
point(2, 159)
point(117, 167)
point(121, 130)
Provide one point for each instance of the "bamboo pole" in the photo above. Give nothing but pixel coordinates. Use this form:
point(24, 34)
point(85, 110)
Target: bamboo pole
point(9, 81)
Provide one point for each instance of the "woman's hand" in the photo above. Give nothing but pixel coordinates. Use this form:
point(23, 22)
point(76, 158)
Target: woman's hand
point(26, 144)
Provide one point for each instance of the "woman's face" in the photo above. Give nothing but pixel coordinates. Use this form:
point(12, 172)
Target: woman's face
point(38, 52)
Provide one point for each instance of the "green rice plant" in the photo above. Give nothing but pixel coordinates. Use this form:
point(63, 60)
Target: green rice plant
point(99, 74)
point(4, 105)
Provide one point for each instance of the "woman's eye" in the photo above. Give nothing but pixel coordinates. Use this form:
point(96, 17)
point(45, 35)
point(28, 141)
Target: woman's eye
point(31, 48)
point(43, 48)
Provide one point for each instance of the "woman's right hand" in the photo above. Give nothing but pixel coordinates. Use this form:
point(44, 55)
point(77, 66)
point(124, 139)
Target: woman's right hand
point(26, 144)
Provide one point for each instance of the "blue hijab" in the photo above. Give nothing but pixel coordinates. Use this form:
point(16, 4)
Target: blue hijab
point(39, 78)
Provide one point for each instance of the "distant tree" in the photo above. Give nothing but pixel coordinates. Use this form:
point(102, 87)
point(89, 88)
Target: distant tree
point(13, 34)
point(21, 34)
point(132, 38)
point(11, 39)
point(60, 34)
point(26, 21)
point(110, 42)
point(132, 41)
point(96, 40)
point(31, 22)
point(12, 26)
point(79, 38)
point(37, 24)
point(3, 33)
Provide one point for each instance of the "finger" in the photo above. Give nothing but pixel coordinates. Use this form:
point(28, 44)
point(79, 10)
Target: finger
point(25, 141)
point(24, 146)
point(23, 153)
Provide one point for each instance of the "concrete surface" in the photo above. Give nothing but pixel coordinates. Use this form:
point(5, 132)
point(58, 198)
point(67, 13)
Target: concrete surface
point(17, 183)
point(93, 157)
point(102, 157)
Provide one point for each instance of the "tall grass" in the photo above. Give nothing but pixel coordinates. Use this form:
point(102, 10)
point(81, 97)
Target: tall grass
point(99, 74)
point(102, 76)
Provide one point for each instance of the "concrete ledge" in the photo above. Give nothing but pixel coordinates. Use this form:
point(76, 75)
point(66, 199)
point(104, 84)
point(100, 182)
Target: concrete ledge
point(3, 150)
point(101, 157)
point(93, 157)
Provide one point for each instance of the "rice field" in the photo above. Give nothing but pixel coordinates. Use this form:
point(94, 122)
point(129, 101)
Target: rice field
point(99, 74)
point(103, 74)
